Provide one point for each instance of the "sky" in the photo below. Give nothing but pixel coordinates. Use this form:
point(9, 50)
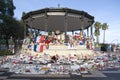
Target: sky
point(104, 11)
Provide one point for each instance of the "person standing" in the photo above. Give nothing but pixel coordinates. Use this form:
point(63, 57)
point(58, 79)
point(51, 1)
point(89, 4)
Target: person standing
point(47, 42)
point(11, 44)
point(42, 38)
point(35, 43)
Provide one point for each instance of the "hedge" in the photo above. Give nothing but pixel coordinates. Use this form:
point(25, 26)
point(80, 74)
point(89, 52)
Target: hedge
point(5, 52)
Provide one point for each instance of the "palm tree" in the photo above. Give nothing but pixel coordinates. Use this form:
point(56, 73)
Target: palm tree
point(104, 28)
point(97, 26)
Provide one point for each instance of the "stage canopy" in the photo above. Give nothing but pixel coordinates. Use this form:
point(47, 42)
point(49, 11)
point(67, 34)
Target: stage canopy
point(63, 19)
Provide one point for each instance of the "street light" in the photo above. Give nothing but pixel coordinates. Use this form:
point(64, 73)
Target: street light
point(1, 21)
point(114, 40)
point(112, 43)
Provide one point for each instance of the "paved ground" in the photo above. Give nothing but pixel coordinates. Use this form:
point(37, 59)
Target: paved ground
point(111, 74)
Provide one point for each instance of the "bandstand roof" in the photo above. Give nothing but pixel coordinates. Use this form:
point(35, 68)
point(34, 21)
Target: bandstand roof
point(63, 19)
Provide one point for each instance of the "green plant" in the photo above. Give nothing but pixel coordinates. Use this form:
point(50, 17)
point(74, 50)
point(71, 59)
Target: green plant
point(3, 41)
point(5, 52)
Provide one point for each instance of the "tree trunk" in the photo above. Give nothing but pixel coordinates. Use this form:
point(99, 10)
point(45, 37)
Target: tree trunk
point(25, 28)
point(97, 38)
point(104, 36)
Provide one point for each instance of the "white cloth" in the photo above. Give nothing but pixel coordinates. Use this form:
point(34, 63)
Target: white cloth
point(38, 38)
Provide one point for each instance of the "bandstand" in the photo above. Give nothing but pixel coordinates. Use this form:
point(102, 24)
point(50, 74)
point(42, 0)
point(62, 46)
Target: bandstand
point(57, 60)
point(62, 19)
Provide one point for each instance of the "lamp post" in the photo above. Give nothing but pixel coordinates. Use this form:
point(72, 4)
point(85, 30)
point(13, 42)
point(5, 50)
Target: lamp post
point(115, 44)
point(1, 22)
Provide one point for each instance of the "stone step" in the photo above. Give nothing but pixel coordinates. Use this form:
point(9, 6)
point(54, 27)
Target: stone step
point(67, 52)
point(64, 50)
point(96, 74)
point(3, 77)
point(65, 47)
point(17, 79)
point(39, 75)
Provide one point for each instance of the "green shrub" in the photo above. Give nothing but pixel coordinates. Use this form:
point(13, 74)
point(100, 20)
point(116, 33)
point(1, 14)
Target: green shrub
point(3, 41)
point(5, 52)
